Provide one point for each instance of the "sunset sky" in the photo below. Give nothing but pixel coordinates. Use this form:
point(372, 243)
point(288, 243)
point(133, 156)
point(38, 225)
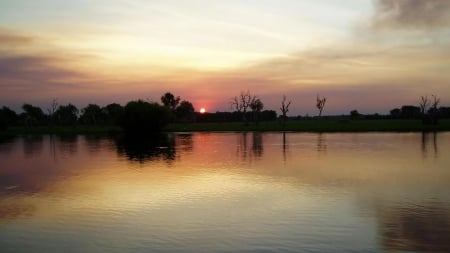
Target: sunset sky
point(361, 54)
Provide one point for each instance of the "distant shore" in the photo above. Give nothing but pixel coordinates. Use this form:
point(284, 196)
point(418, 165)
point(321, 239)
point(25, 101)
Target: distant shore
point(376, 125)
point(325, 125)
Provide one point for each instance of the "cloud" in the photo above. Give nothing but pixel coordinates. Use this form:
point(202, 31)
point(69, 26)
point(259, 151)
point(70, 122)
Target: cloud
point(375, 70)
point(7, 37)
point(411, 14)
point(32, 69)
point(37, 69)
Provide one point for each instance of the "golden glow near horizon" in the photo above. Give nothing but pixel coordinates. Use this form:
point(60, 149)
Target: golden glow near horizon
point(357, 53)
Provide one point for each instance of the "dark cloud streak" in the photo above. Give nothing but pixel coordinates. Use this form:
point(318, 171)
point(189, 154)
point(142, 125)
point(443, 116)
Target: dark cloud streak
point(33, 68)
point(26, 71)
point(411, 14)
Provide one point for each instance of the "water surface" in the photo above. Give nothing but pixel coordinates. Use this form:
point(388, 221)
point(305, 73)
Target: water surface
point(226, 192)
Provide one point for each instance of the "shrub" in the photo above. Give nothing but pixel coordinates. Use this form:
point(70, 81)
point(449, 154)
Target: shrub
point(140, 117)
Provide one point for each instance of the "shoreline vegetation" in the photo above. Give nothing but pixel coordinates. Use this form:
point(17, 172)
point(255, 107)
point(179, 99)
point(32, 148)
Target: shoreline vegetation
point(141, 118)
point(318, 126)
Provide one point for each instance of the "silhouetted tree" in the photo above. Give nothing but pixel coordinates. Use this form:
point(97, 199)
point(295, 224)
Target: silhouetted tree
point(256, 105)
point(143, 118)
point(3, 122)
point(354, 114)
point(113, 113)
point(444, 112)
point(433, 111)
point(66, 114)
point(33, 115)
point(395, 113)
point(236, 105)
point(410, 112)
point(8, 117)
point(268, 115)
point(241, 103)
point(284, 110)
point(92, 114)
point(423, 104)
point(185, 111)
point(170, 101)
point(51, 111)
point(320, 104)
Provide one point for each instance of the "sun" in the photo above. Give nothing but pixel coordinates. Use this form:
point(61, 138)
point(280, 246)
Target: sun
point(202, 110)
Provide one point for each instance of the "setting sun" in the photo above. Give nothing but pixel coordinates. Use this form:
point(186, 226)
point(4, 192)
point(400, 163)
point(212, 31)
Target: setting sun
point(202, 110)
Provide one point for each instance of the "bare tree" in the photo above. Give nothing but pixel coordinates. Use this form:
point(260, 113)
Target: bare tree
point(242, 102)
point(423, 104)
point(235, 104)
point(320, 104)
point(284, 109)
point(434, 108)
point(51, 111)
point(436, 102)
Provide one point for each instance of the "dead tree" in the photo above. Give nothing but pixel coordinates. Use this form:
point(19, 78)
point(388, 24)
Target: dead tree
point(51, 111)
point(423, 104)
point(236, 105)
point(241, 103)
point(284, 109)
point(320, 104)
point(434, 109)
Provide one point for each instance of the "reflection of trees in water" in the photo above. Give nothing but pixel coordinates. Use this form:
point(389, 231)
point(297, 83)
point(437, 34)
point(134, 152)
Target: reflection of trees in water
point(426, 142)
point(6, 144)
point(96, 143)
point(321, 143)
point(184, 142)
point(257, 146)
point(147, 148)
point(418, 228)
point(33, 144)
point(67, 144)
point(242, 149)
point(285, 147)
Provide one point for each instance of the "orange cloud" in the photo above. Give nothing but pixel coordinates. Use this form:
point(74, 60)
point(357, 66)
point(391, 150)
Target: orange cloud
point(374, 70)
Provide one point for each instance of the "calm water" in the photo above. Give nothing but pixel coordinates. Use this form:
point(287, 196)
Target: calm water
point(226, 192)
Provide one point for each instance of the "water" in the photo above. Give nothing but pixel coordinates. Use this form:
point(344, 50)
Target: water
point(226, 192)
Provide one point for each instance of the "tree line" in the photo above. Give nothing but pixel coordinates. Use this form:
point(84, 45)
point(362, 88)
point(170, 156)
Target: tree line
point(135, 115)
point(143, 115)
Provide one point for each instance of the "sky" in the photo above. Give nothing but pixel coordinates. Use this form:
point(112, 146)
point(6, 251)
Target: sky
point(367, 55)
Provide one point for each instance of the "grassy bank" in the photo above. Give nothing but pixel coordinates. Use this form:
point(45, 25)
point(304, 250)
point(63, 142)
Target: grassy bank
point(62, 130)
point(316, 126)
point(294, 125)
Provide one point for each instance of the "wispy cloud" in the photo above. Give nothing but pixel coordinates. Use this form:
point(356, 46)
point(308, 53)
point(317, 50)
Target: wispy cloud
point(8, 37)
point(402, 54)
point(32, 70)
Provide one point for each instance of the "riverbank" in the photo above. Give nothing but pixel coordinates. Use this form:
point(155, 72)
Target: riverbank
point(61, 130)
point(315, 126)
point(271, 126)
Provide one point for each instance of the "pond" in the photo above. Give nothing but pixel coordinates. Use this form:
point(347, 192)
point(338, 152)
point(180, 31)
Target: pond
point(226, 192)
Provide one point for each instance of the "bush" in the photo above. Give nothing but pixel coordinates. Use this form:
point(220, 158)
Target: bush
point(140, 117)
